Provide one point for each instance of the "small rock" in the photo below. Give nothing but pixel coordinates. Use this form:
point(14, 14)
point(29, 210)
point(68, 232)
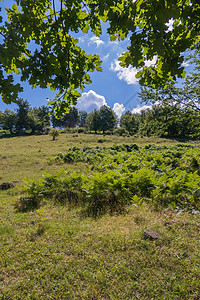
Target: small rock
point(6, 185)
point(149, 234)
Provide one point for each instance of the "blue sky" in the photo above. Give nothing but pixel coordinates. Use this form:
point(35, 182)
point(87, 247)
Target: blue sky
point(116, 87)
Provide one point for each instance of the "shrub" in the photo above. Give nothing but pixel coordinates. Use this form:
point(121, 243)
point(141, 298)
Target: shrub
point(100, 141)
point(194, 165)
point(81, 130)
point(105, 193)
point(27, 203)
point(119, 175)
point(120, 131)
point(54, 133)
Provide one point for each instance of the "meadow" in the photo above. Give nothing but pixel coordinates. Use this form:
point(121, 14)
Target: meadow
point(73, 226)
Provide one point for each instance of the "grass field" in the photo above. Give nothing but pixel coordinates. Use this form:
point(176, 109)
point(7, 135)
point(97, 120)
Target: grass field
point(57, 253)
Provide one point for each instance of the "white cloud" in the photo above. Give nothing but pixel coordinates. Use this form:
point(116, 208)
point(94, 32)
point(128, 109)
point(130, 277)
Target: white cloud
point(105, 58)
point(152, 62)
point(96, 40)
point(118, 109)
point(138, 109)
point(129, 74)
point(90, 101)
point(126, 74)
point(170, 25)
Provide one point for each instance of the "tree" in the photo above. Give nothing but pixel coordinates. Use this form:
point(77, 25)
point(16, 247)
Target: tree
point(190, 93)
point(169, 120)
point(71, 119)
point(58, 62)
point(107, 117)
point(8, 120)
point(57, 122)
point(170, 94)
point(1, 119)
point(38, 118)
point(43, 115)
point(186, 95)
point(33, 121)
point(129, 122)
point(93, 121)
point(82, 118)
point(22, 115)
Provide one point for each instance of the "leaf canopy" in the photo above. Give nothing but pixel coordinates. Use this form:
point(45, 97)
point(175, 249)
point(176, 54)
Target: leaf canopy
point(38, 41)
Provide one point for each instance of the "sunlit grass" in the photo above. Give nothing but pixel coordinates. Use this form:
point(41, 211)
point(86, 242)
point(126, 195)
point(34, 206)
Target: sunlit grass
point(57, 253)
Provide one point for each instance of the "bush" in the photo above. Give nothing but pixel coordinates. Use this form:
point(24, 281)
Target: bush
point(119, 175)
point(120, 131)
point(70, 130)
point(81, 130)
point(105, 193)
point(54, 133)
point(100, 141)
point(27, 203)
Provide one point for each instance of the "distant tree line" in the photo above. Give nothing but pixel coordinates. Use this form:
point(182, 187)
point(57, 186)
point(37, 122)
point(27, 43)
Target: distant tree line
point(25, 118)
point(167, 119)
point(101, 120)
point(163, 121)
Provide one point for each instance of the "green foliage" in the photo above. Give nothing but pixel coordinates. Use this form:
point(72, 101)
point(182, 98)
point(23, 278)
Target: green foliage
point(82, 119)
point(103, 119)
point(27, 204)
point(129, 122)
point(72, 118)
point(8, 120)
point(120, 131)
point(122, 174)
point(61, 187)
point(25, 118)
point(56, 61)
point(169, 119)
point(92, 154)
point(186, 97)
point(33, 201)
point(38, 119)
point(108, 119)
point(93, 121)
point(22, 115)
point(105, 193)
point(55, 133)
point(69, 119)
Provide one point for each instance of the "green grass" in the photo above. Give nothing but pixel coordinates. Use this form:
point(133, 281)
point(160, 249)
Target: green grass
point(57, 253)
